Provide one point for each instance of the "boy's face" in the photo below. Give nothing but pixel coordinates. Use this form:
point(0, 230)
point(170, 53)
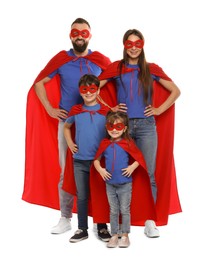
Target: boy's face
point(89, 93)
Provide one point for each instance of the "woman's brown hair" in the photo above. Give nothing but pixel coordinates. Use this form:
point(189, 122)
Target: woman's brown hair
point(144, 75)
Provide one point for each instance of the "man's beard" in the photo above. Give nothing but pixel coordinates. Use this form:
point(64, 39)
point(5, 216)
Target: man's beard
point(80, 48)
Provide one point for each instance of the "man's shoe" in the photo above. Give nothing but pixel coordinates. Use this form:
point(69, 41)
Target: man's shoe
point(113, 242)
point(104, 234)
point(150, 229)
point(124, 242)
point(63, 226)
point(79, 235)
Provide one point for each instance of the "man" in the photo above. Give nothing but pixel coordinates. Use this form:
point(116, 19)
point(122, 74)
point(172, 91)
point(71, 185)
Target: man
point(52, 95)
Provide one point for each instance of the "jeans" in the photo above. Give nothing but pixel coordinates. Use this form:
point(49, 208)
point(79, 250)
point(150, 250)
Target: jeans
point(65, 198)
point(81, 173)
point(143, 131)
point(119, 198)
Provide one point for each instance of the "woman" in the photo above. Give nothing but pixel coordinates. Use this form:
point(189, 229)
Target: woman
point(148, 95)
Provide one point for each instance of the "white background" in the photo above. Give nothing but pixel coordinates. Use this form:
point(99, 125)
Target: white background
point(176, 38)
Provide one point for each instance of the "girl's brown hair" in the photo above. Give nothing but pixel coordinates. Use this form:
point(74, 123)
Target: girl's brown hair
point(123, 117)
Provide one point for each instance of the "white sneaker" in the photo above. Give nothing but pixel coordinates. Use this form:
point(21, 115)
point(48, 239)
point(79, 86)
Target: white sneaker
point(63, 226)
point(150, 229)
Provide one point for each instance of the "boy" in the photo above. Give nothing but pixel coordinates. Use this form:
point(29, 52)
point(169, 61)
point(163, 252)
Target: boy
point(89, 119)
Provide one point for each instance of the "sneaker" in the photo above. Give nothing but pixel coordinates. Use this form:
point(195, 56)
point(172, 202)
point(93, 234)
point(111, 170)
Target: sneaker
point(104, 235)
point(113, 242)
point(150, 229)
point(63, 226)
point(79, 235)
point(124, 242)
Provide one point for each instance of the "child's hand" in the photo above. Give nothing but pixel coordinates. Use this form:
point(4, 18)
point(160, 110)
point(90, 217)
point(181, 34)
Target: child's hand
point(104, 174)
point(73, 148)
point(128, 171)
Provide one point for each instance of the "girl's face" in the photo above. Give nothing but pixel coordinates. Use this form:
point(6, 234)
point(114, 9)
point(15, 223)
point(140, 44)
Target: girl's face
point(116, 129)
point(136, 49)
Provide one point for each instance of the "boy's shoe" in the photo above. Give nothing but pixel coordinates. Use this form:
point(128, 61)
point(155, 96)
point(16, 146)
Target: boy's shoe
point(79, 235)
point(104, 234)
point(124, 242)
point(63, 225)
point(150, 229)
point(113, 242)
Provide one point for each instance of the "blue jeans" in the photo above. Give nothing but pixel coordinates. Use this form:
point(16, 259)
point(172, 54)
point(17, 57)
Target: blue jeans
point(143, 131)
point(81, 174)
point(65, 198)
point(119, 198)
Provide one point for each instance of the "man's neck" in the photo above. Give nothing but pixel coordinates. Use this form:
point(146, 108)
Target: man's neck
point(81, 54)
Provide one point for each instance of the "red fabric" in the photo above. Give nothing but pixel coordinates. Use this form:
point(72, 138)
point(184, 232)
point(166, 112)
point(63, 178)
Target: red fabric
point(77, 109)
point(42, 170)
point(142, 204)
point(167, 198)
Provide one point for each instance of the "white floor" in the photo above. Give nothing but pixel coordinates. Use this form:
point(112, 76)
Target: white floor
point(33, 31)
point(26, 235)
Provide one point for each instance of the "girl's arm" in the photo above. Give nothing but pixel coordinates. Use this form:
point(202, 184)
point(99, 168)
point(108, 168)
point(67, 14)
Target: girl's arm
point(102, 171)
point(130, 169)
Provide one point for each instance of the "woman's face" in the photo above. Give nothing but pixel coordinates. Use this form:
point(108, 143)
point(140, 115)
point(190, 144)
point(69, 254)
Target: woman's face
point(135, 50)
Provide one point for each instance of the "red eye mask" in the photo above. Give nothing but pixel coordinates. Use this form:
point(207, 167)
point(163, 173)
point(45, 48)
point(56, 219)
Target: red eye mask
point(118, 126)
point(84, 89)
point(138, 44)
point(75, 33)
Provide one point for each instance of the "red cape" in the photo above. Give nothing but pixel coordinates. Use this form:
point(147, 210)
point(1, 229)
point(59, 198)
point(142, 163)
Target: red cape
point(142, 204)
point(42, 170)
point(167, 197)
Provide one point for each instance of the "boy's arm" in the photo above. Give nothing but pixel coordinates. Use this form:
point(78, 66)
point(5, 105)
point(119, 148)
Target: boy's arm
point(67, 133)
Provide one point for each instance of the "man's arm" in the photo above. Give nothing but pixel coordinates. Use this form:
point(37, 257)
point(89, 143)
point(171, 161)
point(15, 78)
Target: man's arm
point(42, 95)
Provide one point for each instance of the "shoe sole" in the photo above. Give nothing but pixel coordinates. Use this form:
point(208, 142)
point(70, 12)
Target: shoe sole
point(63, 231)
point(77, 240)
point(151, 236)
point(104, 239)
point(123, 246)
point(112, 246)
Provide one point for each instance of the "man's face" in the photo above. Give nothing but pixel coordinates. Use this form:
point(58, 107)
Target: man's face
point(80, 35)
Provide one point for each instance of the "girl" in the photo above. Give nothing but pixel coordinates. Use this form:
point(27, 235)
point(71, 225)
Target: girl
point(117, 174)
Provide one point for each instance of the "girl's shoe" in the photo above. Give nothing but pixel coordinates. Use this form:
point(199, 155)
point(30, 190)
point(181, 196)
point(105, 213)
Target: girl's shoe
point(113, 242)
point(124, 242)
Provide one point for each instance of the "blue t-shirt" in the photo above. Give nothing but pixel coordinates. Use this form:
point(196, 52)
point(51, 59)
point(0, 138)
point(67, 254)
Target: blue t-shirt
point(70, 73)
point(116, 159)
point(131, 92)
point(89, 131)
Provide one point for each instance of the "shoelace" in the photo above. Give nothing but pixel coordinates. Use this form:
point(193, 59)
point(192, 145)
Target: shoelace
point(78, 231)
point(103, 231)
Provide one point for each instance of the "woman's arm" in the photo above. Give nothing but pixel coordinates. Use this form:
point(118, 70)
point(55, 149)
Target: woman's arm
point(174, 94)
